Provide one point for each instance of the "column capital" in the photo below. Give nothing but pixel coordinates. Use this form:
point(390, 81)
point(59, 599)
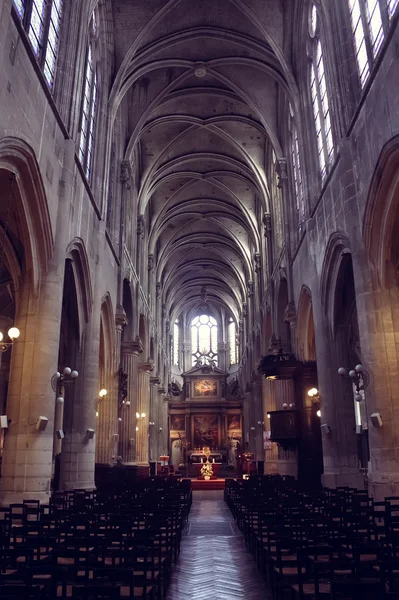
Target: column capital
point(133, 347)
point(146, 367)
point(161, 390)
point(155, 380)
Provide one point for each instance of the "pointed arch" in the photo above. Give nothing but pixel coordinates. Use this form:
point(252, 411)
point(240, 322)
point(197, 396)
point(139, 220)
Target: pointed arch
point(338, 246)
point(18, 157)
point(76, 252)
point(305, 326)
point(381, 211)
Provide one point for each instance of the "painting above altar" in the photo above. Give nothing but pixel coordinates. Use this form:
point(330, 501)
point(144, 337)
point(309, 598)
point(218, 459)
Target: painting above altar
point(206, 388)
point(206, 431)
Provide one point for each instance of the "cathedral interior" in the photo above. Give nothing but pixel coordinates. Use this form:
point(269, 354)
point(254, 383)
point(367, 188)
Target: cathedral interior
point(199, 270)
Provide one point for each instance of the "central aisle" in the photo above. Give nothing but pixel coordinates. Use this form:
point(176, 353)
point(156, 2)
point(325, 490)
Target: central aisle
point(214, 562)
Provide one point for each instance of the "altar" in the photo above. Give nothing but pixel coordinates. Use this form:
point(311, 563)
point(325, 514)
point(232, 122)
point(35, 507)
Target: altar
point(199, 457)
point(204, 414)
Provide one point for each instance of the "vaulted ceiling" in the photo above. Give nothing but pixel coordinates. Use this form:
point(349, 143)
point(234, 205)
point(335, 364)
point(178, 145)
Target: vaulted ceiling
point(201, 81)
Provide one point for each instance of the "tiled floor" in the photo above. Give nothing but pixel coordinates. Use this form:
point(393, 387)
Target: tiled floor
point(214, 563)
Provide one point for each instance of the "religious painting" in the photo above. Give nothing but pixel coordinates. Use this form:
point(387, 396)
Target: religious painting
point(206, 431)
point(177, 423)
point(234, 422)
point(205, 388)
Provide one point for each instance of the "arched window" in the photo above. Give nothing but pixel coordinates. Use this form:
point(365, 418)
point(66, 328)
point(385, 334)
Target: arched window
point(42, 20)
point(319, 96)
point(367, 18)
point(232, 342)
point(204, 339)
point(89, 106)
point(176, 343)
point(296, 166)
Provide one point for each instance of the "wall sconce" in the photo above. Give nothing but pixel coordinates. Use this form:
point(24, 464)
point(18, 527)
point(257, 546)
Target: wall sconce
point(100, 398)
point(59, 380)
point(360, 378)
point(13, 334)
point(318, 413)
point(268, 415)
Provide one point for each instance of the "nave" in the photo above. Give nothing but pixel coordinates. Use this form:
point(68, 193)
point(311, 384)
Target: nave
point(213, 561)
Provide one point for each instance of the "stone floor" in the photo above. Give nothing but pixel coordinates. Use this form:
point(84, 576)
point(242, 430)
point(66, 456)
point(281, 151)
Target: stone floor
point(214, 563)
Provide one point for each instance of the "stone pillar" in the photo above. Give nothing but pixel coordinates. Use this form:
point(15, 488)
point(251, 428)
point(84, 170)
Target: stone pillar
point(378, 326)
point(162, 424)
point(339, 446)
point(154, 401)
point(78, 450)
point(108, 427)
point(130, 359)
point(258, 417)
point(143, 407)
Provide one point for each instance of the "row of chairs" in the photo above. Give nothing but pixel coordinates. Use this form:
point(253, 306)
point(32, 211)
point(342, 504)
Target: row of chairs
point(321, 544)
point(94, 544)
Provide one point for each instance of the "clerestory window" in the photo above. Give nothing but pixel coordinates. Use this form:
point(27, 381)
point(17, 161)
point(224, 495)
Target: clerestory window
point(319, 96)
point(370, 21)
point(42, 22)
point(89, 106)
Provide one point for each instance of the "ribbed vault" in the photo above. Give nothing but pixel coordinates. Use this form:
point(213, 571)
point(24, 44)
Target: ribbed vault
point(201, 86)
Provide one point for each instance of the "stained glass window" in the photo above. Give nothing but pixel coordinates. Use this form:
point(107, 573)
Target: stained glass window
point(204, 339)
point(369, 30)
point(392, 5)
point(176, 343)
point(20, 6)
point(89, 111)
point(232, 342)
point(43, 27)
point(319, 97)
point(296, 166)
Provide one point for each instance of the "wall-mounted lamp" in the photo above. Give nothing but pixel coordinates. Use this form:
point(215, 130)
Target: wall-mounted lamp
point(13, 334)
point(60, 380)
point(318, 413)
point(268, 415)
point(360, 378)
point(100, 398)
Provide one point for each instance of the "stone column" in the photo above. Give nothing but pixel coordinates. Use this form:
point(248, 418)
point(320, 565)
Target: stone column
point(153, 437)
point(78, 450)
point(108, 427)
point(258, 417)
point(163, 423)
point(27, 456)
point(339, 445)
point(143, 407)
point(130, 359)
